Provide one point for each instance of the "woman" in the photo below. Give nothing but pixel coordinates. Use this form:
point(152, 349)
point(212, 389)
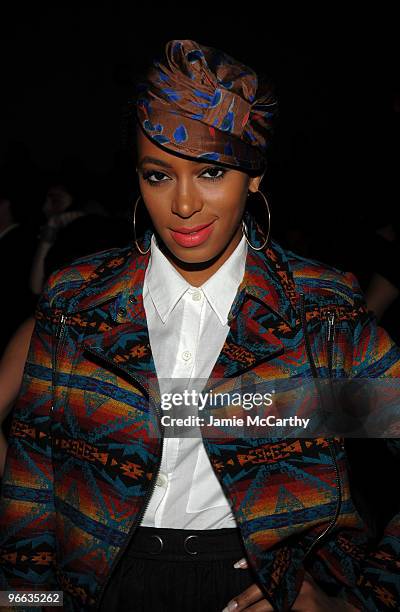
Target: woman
point(97, 499)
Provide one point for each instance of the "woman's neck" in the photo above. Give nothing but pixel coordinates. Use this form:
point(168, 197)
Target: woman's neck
point(196, 274)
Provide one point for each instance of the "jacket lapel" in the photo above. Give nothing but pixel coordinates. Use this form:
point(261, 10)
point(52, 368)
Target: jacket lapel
point(109, 309)
point(262, 311)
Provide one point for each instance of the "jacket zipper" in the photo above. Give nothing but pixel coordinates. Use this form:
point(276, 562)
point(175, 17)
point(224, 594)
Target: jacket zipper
point(60, 337)
point(151, 484)
point(61, 333)
point(331, 316)
point(59, 344)
point(306, 337)
point(330, 337)
point(339, 502)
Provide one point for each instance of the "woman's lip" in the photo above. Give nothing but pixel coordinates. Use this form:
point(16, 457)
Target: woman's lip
point(194, 238)
point(189, 230)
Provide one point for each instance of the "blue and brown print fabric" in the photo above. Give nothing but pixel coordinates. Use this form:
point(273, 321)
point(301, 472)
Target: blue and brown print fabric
point(200, 102)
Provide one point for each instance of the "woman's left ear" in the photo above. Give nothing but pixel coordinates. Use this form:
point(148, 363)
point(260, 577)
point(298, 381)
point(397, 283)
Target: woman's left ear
point(255, 181)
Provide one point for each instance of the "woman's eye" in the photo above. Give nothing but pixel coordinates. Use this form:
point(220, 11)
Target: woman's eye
point(147, 176)
point(214, 170)
point(154, 177)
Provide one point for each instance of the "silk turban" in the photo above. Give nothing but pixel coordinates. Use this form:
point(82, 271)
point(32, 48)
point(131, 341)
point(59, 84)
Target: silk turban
point(200, 102)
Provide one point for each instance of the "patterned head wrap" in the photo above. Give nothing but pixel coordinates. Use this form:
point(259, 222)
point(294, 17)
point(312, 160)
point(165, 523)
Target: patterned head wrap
point(202, 103)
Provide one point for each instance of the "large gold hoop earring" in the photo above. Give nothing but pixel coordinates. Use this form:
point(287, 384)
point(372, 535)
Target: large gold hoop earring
point(134, 229)
point(269, 224)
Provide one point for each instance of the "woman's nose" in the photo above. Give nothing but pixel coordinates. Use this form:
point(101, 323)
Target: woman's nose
point(186, 201)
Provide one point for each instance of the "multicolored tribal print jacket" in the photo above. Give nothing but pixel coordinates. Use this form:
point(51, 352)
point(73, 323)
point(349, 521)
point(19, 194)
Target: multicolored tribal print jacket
point(85, 447)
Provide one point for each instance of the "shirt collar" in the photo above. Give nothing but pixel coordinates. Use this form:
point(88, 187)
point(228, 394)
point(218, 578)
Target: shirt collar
point(220, 289)
point(166, 285)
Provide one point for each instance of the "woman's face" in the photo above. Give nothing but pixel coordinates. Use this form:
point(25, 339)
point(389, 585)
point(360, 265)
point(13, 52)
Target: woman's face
point(182, 194)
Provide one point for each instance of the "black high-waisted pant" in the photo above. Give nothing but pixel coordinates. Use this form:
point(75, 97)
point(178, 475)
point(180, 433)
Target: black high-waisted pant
point(160, 572)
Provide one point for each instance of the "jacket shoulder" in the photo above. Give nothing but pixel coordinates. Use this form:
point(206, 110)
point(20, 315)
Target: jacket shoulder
point(68, 280)
point(315, 278)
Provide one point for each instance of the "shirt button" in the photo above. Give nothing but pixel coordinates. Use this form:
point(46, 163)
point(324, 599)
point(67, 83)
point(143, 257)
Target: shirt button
point(121, 312)
point(196, 296)
point(186, 355)
point(162, 480)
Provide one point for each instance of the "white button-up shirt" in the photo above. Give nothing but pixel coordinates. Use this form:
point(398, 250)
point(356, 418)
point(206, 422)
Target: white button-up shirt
point(187, 330)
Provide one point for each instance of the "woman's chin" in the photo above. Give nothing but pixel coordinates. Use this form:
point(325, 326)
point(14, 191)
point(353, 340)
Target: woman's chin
point(201, 253)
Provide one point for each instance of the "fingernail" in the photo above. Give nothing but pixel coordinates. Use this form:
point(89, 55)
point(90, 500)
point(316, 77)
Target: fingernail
point(240, 563)
point(231, 606)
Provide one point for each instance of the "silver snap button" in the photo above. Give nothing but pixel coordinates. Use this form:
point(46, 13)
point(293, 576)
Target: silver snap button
point(186, 355)
point(185, 543)
point(160, 542)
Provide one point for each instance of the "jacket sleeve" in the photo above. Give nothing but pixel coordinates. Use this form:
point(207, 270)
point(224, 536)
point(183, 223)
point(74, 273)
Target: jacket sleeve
point(27, 514)
point(377, 356)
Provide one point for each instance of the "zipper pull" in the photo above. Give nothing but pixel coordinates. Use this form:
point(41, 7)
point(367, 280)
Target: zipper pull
point(62, 322)
point(331, 324)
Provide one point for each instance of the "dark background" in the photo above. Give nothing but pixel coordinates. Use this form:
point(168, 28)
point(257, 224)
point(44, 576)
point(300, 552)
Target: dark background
point(67, 71)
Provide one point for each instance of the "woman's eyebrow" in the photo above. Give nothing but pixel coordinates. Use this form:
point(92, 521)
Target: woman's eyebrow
point(159, 162)
point(153, 160)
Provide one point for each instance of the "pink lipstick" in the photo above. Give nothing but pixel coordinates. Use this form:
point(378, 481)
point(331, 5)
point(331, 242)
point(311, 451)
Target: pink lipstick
point(192, 236)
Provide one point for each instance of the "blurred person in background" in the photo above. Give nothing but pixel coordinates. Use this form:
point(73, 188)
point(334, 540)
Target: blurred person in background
point(61, 206)
point(16, 248)
point(383, 292)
